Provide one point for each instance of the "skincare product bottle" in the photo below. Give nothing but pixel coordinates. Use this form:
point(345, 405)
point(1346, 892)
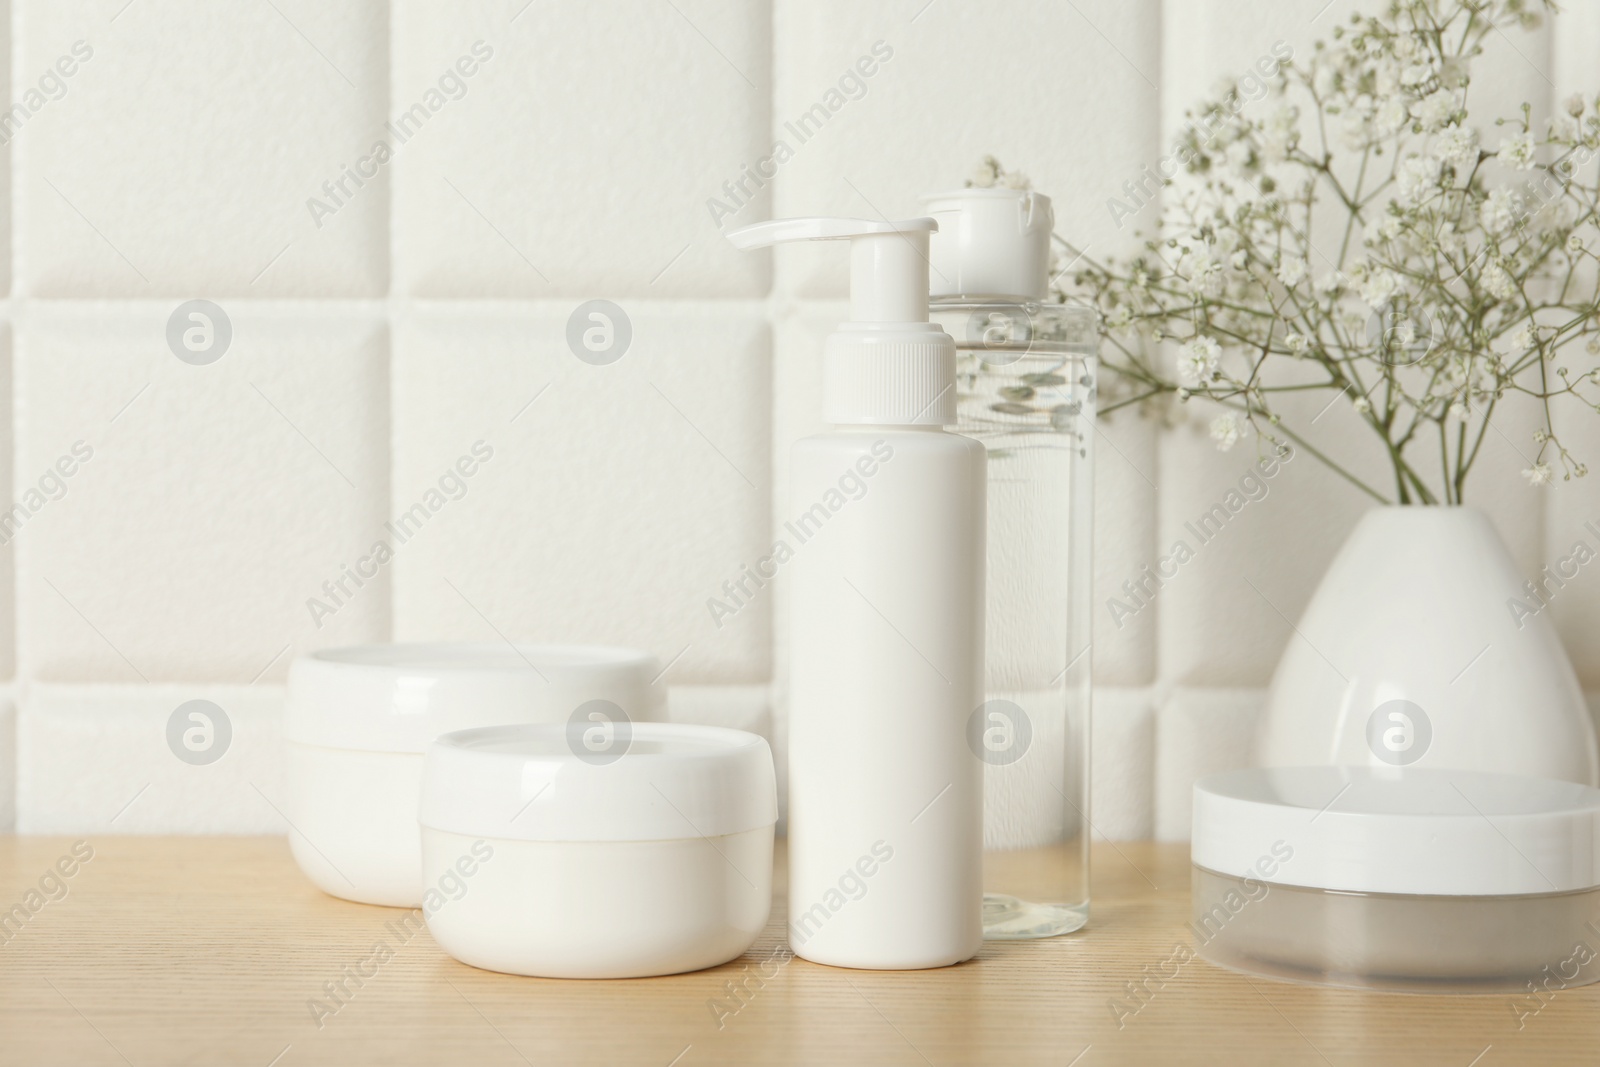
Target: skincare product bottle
point(1026, 380)
point(885, 792)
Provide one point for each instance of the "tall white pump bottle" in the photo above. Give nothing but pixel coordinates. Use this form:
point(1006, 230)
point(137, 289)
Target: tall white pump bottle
point(886, 530)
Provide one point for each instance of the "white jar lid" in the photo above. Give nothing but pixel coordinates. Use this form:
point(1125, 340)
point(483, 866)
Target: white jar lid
point(1403, 830)
point(665, 782)
point(398, 698)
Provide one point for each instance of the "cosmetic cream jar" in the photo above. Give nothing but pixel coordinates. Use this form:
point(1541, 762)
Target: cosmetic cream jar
point(359, 719)
point(1399, 878)
point(596, 855)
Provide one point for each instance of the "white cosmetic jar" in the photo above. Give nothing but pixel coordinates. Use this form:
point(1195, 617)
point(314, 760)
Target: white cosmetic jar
point(360, 718)
point(1400, 878)
point(545, 853)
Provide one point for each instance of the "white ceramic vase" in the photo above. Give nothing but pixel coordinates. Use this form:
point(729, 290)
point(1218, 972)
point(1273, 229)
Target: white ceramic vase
point(1410, 653)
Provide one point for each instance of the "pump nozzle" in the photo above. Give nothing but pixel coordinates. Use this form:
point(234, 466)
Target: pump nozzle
point(888, 365)
point(888, 260)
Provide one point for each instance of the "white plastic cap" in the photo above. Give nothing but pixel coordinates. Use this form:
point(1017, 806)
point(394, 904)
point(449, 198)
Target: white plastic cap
point(991, 243)
point(888, 365)
point(1404, 830)
point(670, 782)
point(398, 698)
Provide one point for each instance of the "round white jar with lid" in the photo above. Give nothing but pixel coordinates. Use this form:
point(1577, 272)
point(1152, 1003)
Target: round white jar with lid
point(1402, 878)
point(359, 719)
point(544, 856)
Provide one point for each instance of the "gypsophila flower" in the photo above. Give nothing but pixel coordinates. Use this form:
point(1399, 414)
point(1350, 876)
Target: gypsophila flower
point(1418, 179)
point(1226, 431)
point(1457, 145)
point(1377, 287)
point(1390, 117)
point(1499, 282)
point(1361, 248)
point(1499, 212)
point(1435, 109)
point(1198, 360)
point(1517, 151)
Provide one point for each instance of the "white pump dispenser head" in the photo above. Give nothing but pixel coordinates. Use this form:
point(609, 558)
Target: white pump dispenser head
point(888, 365)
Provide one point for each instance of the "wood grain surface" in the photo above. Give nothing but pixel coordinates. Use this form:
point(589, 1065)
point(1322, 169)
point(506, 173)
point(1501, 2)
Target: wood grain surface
point(215, 950)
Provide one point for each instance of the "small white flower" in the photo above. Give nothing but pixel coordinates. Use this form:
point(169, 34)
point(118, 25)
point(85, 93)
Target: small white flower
point(1457, 145)
point(1499, 282)
point(1292, 271)
point(1226, 431)
point(1120, 317)
point(1538, 474)
point(1330, 283)
point(1435, 109)
point(1458, 411)
point(1356, 133)
point(1517, 151)
point(1197, 361)
point(1417, 177)
point(1390, 117)
point(985, 174)
point(1377, 287)
point(1574, 243)
point(1297, 343)
point(1361, 404)
point(1524, 339)
point(1575, 105)
point(1416, 74)
point(1500, 211)
point(1015, 179)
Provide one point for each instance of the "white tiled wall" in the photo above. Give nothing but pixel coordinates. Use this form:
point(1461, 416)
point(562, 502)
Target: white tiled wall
point(391, 310)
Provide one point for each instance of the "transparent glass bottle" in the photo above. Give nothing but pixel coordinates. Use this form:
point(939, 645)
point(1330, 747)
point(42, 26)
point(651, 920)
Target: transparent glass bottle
point(1026, 380)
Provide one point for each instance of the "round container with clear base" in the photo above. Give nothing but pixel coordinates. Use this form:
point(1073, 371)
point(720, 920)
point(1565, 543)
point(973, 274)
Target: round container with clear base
point(1403, 878)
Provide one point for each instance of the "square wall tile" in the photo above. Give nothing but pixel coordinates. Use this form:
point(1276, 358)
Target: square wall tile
point(187, 150)
point(197, 522)
point(607, 502)
point(1066, 93)
point(151, 759)
point(586, 151)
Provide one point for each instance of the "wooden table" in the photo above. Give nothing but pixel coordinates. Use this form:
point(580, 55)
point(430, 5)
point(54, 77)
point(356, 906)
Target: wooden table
point(210, 950)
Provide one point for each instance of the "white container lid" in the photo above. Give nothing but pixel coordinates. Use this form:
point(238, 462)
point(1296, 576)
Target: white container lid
point(398, 698)
point(991, 243)
point(1404, 830)
point(665, 782)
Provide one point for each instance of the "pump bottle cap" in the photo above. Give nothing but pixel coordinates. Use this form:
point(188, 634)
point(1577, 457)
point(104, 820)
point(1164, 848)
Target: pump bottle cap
point(888, 365)
point(992, 243)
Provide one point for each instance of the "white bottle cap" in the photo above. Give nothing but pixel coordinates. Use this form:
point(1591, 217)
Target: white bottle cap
point(887, 366)
point(991, 243)
point(1405, 830)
